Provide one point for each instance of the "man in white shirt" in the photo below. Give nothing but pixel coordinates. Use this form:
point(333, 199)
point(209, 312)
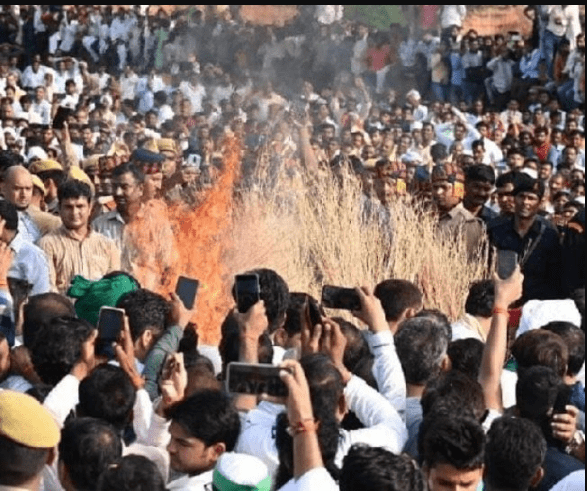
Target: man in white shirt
point(461, 130)
point(563, 21)
point(34, 74)
point(451, 16)
point(194, 91)
point(41, 105)
point(128, 83)
point(420, 111)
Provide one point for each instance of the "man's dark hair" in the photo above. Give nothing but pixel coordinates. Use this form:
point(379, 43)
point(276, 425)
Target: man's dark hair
point(296, 310)
point(356, 349)
point(541, 347)
point(128, 168)
point(478, 143)
point(56, 175)
point(210, 416)
point(275, 295)
point(454, 440)
point(480, 173)
point(421, 345)
point(480, 299)
point(40, 310)
point(396, 296)
point(9, 214)
point(453, 392)
point(514, 451)
point(145, 310)
point(74, 189)
point(57, 347)
point(440, 318)
point(465, 356)
point(574, 338)
point(132, 473)
point(107, 394)
point(506, 178)
point(537, 391)
point(367, 467)
point(18, 463)
point(8, 158)
point(88, 446)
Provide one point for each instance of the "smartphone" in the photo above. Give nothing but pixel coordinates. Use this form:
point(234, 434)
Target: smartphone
point(313, 312)
point(248, 291)
point(335, 297)
point(110, 324)
point(186, 289)
point(61, 116)
point(255, 379)
point(506, 263)
point(562, 400)
point(298, 110)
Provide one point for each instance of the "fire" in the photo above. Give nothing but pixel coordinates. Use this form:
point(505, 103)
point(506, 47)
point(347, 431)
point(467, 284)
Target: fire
point(198, 246)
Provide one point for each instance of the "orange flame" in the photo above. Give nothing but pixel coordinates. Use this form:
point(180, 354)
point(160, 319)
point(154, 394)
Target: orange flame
point(199, 244)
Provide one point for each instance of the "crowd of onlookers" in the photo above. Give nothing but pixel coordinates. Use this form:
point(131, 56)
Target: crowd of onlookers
point(110, 117)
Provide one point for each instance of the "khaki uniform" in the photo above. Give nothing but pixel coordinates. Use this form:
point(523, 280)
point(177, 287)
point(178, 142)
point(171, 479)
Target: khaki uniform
point(460, 222)
point(45, 222)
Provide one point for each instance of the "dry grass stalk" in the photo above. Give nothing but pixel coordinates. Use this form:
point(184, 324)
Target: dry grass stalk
point(314, 233)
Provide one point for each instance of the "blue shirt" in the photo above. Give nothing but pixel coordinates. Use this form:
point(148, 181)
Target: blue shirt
point(27, 228)
point(30, 264)
point(457, 72)
point(529, 64)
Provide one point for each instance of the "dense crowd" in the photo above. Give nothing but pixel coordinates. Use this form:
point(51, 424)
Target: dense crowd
point(112, 117)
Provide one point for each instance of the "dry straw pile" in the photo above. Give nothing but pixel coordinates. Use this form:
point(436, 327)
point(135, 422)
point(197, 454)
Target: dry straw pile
point(313, 231)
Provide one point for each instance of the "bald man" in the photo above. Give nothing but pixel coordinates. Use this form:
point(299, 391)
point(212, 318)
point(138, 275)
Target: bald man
point(18, 190)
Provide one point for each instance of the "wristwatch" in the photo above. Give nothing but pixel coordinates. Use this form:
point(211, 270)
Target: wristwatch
point(576, 442)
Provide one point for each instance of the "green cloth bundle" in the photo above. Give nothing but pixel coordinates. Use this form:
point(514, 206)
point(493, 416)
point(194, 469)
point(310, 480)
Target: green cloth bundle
point(93, 295)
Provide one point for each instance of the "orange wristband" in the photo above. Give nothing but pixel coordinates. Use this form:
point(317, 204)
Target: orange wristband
point(499, 310)
point(303, 426)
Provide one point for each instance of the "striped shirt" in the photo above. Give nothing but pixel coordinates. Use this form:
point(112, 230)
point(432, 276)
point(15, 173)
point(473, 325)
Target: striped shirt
point(92, 257)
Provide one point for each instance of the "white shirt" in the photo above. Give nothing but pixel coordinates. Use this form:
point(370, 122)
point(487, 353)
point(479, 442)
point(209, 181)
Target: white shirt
point(466, 327)
point(33, 79)
point(128, 86)
point(59, 79)
point(195, 94)
point(387, 369)
point(383, 426)
point(492, 151)
point(314, 479)
point(201, 482)
point(573, 482)
point(564, 21)
point(452, 15)
point(43, 110)
point(29, 263)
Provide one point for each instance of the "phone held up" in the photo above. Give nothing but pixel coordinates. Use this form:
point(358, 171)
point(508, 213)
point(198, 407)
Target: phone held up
point(187, 289)
point(336, 297)
point(248, 291)
point(110, 323)
point(506, 263)
point(255, 379)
